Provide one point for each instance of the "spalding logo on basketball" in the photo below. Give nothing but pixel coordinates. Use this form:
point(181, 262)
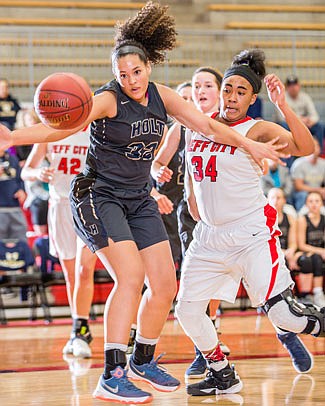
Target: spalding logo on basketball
point(63, 101)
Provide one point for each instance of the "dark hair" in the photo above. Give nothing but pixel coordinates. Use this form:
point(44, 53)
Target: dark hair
point(151, 30)
point(249, 64)
point(217, 74)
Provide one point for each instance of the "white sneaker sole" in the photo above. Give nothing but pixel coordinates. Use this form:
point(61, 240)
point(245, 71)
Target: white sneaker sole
point(101, 393)
point(234, 389)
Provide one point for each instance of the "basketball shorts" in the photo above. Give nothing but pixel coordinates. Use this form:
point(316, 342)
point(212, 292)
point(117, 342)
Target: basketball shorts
point(103, 211)
point(62, 236)
point(220, 257)
point(39, 211)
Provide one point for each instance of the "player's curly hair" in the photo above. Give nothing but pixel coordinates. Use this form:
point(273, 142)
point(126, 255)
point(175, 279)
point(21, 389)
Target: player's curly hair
point(254, 58)
point(151, 30)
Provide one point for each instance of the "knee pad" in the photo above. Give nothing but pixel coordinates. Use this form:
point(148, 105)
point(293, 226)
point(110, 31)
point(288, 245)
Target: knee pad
point(317, 262)
point(196, 324)
point(305, 263)
point(286, 313)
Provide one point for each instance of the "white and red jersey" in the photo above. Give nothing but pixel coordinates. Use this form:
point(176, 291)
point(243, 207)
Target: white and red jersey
point(67, 157)
point(225, 178)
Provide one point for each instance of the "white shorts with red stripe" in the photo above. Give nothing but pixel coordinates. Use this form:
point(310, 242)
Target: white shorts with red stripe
point(219, 257)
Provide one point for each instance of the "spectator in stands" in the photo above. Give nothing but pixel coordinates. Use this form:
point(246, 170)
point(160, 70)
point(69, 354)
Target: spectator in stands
point(25, 118)
point(9, 106)
point(308, 174)
point(12, 220)
point(277, 177)
point(311, 241)
point(256, 110)
point(303, 105)
point(37, 191)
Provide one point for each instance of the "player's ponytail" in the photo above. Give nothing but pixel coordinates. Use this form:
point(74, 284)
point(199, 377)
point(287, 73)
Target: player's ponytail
point(249, 64)
point(149, 34)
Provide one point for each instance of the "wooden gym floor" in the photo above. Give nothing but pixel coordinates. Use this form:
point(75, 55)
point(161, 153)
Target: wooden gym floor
point(33, 371)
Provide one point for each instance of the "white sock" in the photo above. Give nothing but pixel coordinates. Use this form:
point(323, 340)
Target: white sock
point(218, 365)
point(317, 290)
point(143, 340)
point(115, 346)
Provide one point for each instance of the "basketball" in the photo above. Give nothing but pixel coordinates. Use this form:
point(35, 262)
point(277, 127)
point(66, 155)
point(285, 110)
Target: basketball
point(63, 101)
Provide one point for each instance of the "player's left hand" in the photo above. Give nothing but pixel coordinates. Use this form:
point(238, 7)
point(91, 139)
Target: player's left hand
point(21, 196)
point(165, 205)
point(270, 149)
point(275, 90)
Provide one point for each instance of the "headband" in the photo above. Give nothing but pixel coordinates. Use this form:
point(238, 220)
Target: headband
point(246, 72)
point(128, 49)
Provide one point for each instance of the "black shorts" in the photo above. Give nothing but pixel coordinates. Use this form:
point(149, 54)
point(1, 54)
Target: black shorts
point(102, 211)
point(38, 210)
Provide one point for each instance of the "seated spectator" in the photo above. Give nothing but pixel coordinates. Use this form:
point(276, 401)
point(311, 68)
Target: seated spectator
point(308, 174)
point(256, 110)
point(311, 241)
point(9, 106)
point(303, 105)
point(12, 220)
point(277, 177)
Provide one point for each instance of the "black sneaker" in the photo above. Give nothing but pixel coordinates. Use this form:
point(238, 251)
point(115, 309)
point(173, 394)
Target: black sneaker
point(217, 383)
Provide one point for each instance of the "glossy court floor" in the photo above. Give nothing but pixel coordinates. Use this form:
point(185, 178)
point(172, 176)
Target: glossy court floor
point(35, 373)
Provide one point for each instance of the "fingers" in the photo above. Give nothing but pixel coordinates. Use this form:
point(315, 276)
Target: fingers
point(272, 82)
point(165, 206)
point(165, 174)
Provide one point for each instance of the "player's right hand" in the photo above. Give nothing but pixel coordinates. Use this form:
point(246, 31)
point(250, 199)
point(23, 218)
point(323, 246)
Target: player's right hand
point(5, 138)
point(46, 174)
point(164, 174)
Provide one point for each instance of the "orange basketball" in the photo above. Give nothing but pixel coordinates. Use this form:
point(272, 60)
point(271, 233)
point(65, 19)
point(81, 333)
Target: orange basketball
point(63, 101)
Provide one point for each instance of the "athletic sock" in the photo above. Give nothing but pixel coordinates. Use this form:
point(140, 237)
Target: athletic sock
point(216, 355)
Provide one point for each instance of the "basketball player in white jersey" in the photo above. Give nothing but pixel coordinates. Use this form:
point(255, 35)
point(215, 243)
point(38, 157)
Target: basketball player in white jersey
point(236, 237)
point(206, 98)
point(67, 158)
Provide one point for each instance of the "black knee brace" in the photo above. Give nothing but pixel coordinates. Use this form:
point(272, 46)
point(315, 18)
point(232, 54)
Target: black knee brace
point(317, 262)
point(305, 263)
point(300, 310)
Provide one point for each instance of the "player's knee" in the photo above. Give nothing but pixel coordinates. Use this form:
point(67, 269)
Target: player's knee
point(317, 265)
point(189, 320)
point(305, 263)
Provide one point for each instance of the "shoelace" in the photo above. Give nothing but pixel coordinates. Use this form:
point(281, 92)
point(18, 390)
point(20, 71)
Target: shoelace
point(128, 384)
point(154, 364)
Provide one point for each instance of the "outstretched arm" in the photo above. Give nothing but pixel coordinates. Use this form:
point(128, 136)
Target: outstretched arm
point(299, 139)
point(189, 116)
point(103, 105)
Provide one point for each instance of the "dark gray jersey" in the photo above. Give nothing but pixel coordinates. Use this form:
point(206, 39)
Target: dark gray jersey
point(122, 148)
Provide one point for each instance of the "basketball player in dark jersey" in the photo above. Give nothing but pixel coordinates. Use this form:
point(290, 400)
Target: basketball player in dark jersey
point(113, 212)
point(311, 241)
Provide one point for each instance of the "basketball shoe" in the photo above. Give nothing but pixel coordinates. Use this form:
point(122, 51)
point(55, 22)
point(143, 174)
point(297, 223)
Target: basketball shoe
point(198, 367)
point(118, 388)
point(219, 382)
point(302, 360)
point(67, 349)
point(80, 345)
point(154, 374)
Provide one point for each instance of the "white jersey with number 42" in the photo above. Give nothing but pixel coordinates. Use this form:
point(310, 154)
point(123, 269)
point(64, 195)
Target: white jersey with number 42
point(67, 157)
point(225, 178)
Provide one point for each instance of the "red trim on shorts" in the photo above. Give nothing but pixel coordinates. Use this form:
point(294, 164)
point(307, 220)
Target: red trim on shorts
point(241, 121)
point(271, 215)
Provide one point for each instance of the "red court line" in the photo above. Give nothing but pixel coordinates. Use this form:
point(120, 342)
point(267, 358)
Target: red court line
point(171, 361)
point(67, 321)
